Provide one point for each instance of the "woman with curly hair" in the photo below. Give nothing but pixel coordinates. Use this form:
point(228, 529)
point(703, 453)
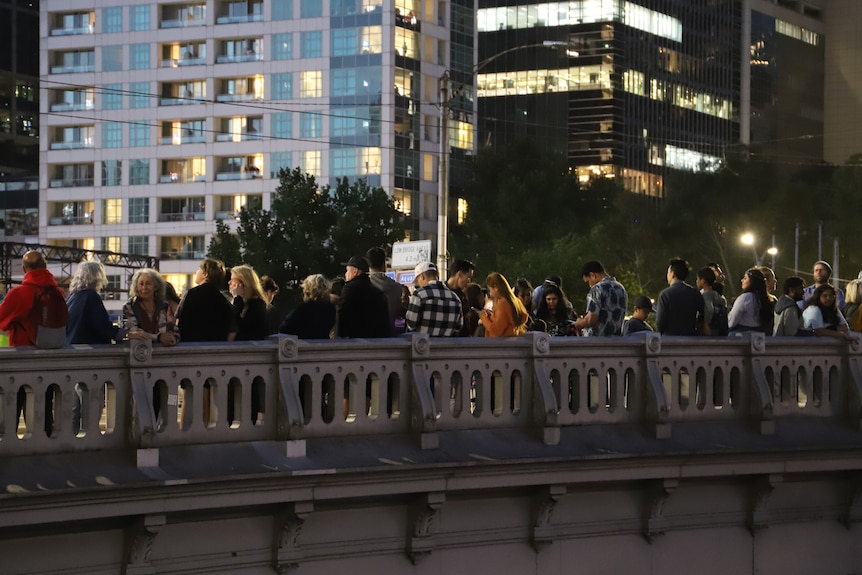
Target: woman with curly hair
point(88, 320)
point(314, 318)
point(508, 316)
point(147, 314)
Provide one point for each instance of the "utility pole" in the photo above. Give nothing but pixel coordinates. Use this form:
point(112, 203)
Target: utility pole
point(443, 184)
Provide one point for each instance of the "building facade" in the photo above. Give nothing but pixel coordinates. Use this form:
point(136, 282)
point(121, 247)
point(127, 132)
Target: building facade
point(159, 119)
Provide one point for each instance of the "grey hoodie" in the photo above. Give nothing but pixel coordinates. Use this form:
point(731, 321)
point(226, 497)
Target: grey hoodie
point(787, 316)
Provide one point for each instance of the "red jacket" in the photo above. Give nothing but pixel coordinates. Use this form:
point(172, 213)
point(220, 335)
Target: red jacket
point(15, 309)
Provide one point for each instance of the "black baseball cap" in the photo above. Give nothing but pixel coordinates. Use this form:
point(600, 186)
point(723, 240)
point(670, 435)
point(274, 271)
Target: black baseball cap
point(357, 262)
point(643, 302)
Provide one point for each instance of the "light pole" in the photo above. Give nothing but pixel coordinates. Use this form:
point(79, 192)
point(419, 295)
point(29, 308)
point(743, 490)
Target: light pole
point(446, 99)
point(748, 239)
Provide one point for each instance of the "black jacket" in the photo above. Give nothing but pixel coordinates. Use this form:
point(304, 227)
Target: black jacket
point(362, 310)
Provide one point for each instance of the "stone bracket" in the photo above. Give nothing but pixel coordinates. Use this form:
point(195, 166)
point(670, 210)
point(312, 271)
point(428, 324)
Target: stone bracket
point(287, 552)
point(657, 416)
point(853, 513)
point(423, 513)
point(139, 538)
point(542, 533)
point(762, 399)
point(759, 514)
point(655, 524)
point(546, 410)
point(423, 413)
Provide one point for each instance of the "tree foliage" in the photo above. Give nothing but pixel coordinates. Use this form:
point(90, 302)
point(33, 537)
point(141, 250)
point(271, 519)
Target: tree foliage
point(309, 228)
point(529, 216)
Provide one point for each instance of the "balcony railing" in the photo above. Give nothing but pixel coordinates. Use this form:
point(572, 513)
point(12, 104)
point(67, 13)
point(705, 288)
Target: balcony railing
point(73, 145)
point(182, 255)
point(71, 182)
point(67, 107)
point(176, 178)
point(178, 62)
point(181, 217)
point(183, 23)
point(73, 68)
point(239, 19)
point(239, 58)
point(70, 221)
point(171, 140)
point(250, 174)
point(420, 387)
point(247, 97)
point(73, 31)
point(244, 137)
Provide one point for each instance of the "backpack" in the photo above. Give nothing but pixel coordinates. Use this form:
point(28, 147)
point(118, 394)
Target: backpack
point(718, 324)
point(49, 316)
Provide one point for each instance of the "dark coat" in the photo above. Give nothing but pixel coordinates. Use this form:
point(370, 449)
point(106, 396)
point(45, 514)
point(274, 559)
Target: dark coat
point(205, 314)
point(88, 320)
point(362, 310)
point(310, 320)
point(253, 324)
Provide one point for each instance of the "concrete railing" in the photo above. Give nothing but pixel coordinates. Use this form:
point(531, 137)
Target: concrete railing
point(138, 398)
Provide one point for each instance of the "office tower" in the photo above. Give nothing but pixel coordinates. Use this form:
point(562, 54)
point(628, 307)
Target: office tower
point(159, 119)
point(643, 86)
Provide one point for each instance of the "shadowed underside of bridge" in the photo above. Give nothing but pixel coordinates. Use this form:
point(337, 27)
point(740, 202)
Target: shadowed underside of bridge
point(727, 483)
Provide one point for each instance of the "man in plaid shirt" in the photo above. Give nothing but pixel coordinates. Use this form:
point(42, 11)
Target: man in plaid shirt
point(434, 308)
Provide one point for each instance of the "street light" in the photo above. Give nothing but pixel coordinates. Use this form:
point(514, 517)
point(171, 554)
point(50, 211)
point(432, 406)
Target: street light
point(748, 239)
point(446, 100)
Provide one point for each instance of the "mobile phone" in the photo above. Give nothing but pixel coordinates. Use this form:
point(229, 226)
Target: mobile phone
point(477, 310)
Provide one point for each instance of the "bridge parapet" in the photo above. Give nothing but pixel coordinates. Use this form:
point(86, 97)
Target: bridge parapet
point(142, 398)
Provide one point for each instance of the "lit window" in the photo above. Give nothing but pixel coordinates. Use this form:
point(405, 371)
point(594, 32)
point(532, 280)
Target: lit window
point(311, 84)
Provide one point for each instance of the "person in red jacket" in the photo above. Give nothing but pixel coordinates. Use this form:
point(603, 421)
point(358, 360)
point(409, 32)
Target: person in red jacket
point(15, 317)
point(16, 306)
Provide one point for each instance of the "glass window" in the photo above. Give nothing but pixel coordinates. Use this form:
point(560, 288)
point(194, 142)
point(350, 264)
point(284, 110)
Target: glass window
point(342, 162)
point(112, 212)
point(311, 44)
point(282, 9)
point(112, 135)
point(111, 244)
point(279, 160)
point(350, 82)
point(282, 125)
point(139, 96)
point(310, 8)
point(139, 56)
point(310, 162)
point(112, 172)
point(310, 125)
point(139, 245)
point(139, 211)
point(343, 41)
point(282, 46)
point(139, 173)
point(282, 87)
point(139, 17)
point(139, 135)
point(112, 20)
point(112, 97)
point(112, 58)
point(311, 84)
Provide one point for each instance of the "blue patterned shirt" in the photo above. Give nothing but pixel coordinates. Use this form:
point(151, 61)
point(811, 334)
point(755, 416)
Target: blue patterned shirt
point(608, 300)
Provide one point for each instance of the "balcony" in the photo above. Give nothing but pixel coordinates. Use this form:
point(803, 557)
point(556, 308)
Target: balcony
point(177, 55)
point(238, 12)
point(240, 129)
point(183, 171)
point(73, 101)
point(242, 50)
point(70, 213)
point(73, 62)
point(183, 93)
point(73, 138)
point(73, 24)
point(239, 168)
point(177, 133)
point(183, 15)
point(182, 248)
point(241, 89)
point(181, 217)
point(71, 176)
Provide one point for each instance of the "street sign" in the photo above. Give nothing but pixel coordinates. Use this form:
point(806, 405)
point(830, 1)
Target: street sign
point(406, 255)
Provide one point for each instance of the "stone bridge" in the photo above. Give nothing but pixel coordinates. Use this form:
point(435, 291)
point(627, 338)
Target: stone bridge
point(529, 455)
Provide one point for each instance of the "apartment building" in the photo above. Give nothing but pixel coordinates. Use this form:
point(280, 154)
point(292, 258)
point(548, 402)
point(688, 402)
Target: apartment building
point(159, 119)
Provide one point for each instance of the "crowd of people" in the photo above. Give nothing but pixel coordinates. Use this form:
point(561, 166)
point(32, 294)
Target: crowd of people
point(236, 304)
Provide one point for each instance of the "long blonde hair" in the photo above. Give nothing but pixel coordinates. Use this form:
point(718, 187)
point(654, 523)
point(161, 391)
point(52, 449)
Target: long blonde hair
point(498, 281)
point(246, 274)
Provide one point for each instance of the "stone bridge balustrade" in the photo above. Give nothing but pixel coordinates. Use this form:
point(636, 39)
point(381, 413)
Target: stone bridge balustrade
point(142, 398)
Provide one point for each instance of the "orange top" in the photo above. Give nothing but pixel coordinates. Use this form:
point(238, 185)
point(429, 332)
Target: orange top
point(501, 322)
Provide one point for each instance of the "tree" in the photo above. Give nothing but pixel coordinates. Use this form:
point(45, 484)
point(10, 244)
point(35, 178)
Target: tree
point(309, 229)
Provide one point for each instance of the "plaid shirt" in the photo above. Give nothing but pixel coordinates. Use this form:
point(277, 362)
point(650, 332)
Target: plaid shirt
point(434, 309)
